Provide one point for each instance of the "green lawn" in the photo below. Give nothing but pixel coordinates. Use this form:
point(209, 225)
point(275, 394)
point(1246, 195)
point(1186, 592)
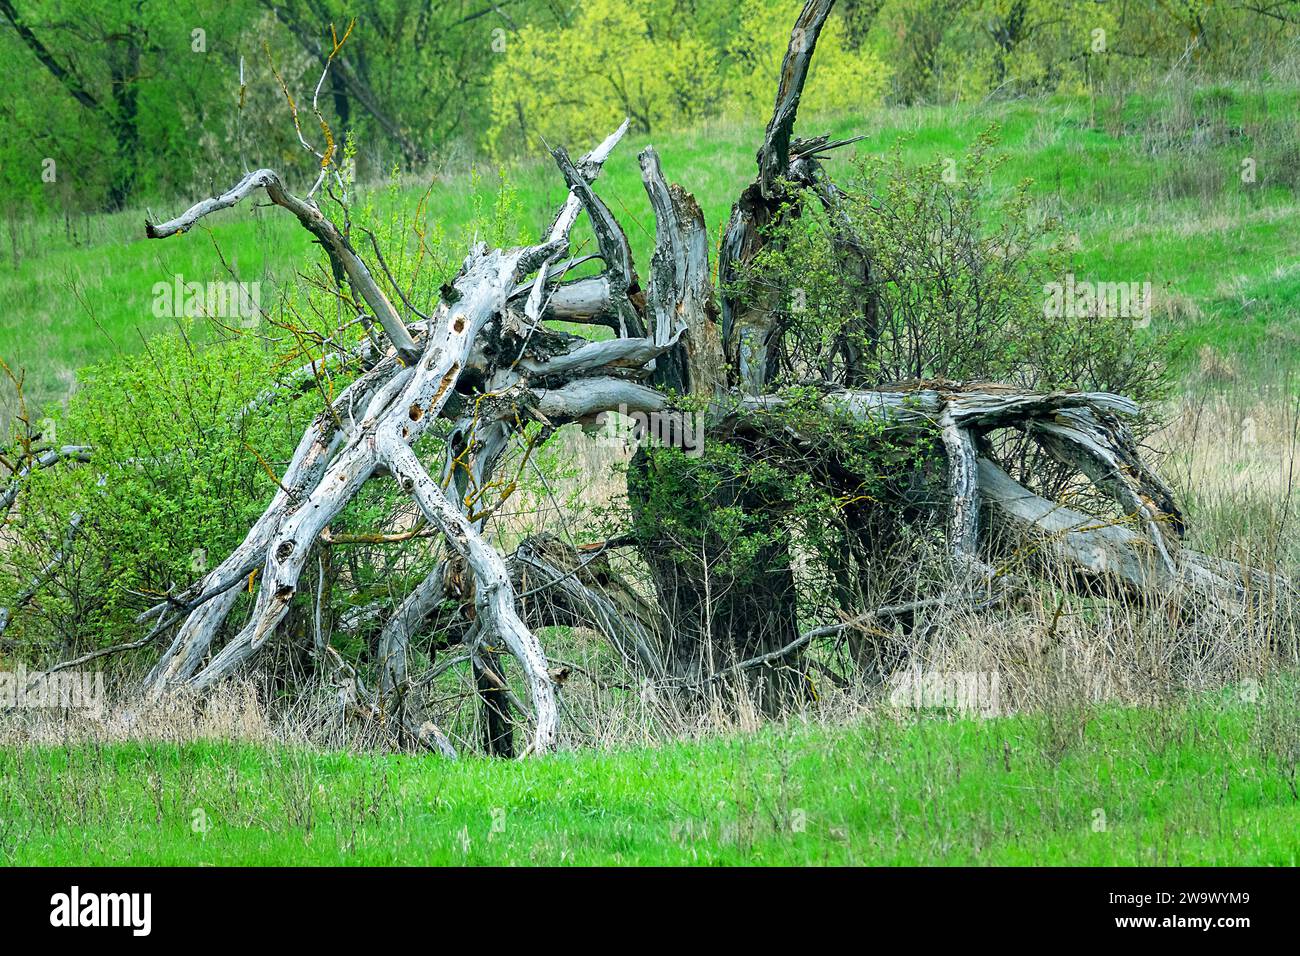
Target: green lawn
point(1207, 783)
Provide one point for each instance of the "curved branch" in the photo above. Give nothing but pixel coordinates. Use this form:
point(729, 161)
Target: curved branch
point(336, 245)
point(493, 594)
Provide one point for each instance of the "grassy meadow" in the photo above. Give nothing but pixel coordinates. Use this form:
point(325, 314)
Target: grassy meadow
point(1190, 188)
point(1209, 781)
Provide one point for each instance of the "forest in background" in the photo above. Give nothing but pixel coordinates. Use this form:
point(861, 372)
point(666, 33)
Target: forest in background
point(130, 102)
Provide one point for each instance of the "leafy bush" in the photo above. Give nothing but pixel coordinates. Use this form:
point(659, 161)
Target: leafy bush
point(960, 279)
point(176, 475)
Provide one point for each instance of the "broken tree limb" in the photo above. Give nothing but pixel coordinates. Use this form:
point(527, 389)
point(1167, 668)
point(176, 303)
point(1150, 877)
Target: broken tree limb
point(335, 244)
point(1078, 428)
point(1096, 549)
point(963, 489)
point(612, 242)
point(774, 156)
point(679, 297)
point(494, 596)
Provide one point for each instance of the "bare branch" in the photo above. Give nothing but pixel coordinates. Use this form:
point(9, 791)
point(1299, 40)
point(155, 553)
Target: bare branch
point(314, 221)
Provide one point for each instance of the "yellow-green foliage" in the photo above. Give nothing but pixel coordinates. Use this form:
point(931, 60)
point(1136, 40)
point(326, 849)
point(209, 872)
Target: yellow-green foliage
point(949, 50)
point(616, 59)
point(841, 79)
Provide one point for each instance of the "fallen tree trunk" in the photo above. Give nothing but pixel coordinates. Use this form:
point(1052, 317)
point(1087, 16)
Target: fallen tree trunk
point(485, 360)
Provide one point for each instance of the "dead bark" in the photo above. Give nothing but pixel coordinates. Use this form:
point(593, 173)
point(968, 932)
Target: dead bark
point(680, 296)
point(485, 359)
point(342, 256)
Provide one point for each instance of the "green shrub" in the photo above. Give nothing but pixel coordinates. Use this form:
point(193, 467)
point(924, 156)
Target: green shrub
point(176, 474)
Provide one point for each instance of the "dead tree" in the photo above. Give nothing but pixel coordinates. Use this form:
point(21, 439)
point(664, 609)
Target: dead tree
point(486, 360)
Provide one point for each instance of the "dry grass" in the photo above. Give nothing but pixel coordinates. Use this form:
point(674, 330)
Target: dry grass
point(1230, 453)
point(235, 712)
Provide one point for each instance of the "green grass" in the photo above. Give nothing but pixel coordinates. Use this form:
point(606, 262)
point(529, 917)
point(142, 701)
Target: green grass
point(1150, 186)
point(1182, 785)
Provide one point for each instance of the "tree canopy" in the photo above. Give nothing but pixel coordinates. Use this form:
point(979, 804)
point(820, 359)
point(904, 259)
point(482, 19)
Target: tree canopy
point(121, 103)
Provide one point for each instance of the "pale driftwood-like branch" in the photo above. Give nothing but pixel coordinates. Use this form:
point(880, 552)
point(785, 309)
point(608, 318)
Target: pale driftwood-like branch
point(607, 354)
point(586, 398)
point(1078, 428)
point(963, 489)
point(588, 300)
point(612, 242)
point(335, 244)
point(1095, 549)
point(211, 599)
point(494, 596)
point(1102, 450)
point(588, 170)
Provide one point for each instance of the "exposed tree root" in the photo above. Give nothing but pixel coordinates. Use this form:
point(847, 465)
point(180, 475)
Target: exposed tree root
point(485, 360)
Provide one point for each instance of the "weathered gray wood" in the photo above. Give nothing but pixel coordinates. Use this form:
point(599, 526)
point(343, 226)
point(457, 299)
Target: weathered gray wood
point(963, 489)
point(211, 599)
point(608, 354)
point(774, 156)
point(1077, 544)
point(335, 244)
point(614, 249)
point(679, 297)
point(586, 398)
point(494, 596)
point(1079, 428)
point(588, 300)
point(1105, 452)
